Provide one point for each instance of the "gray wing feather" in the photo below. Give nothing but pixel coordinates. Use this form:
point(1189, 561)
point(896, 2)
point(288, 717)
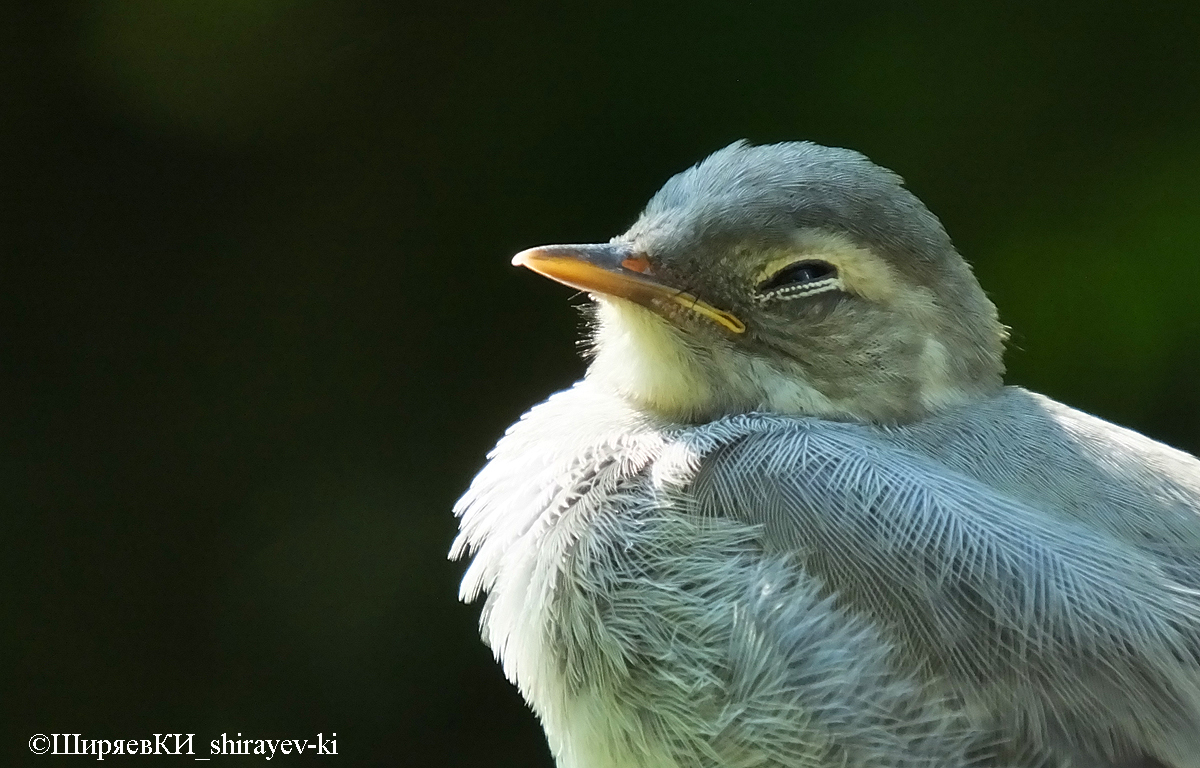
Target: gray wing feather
point(1065, 635)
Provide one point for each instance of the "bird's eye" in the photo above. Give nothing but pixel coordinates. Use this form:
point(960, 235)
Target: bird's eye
point(801, 278)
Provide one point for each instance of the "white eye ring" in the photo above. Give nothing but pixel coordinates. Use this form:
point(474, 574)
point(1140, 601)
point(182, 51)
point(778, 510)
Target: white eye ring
point(800, 290)
point(801, 278)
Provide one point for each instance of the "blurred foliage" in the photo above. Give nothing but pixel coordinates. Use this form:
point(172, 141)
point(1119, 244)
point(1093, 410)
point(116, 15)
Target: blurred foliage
point(260, 326)
point(226, 70)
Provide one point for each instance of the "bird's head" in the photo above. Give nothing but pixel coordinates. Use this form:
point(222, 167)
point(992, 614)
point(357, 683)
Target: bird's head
point(789, 278)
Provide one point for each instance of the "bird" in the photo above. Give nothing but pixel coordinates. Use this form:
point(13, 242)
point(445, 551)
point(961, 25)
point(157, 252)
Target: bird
point(792, 515)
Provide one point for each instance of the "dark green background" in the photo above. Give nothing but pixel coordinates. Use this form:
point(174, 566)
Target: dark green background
point(259, 328)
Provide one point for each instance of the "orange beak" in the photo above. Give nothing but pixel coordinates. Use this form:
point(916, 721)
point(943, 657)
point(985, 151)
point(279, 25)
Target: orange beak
point(615, 270)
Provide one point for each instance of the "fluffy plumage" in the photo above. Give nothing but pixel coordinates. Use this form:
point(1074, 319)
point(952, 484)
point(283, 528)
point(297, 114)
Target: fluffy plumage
point(988, 579)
